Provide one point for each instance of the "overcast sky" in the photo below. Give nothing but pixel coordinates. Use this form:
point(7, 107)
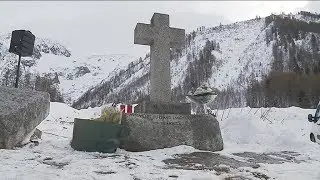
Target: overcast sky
point(106, 27)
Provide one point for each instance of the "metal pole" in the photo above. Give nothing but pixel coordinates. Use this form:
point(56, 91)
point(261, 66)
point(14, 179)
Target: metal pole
point(18, 71)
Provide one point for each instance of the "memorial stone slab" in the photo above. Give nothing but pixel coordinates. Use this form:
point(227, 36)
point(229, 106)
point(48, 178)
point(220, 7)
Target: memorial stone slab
point(157, 131)
point(152, 107)
point(20, 112)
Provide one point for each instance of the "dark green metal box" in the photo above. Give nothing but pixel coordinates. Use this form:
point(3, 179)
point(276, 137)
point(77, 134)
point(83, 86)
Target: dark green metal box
point(97, 136)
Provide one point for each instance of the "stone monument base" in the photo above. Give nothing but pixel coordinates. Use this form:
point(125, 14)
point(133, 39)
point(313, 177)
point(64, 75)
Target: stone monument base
point(151, 107)
point(20, 112)
point(157, 131)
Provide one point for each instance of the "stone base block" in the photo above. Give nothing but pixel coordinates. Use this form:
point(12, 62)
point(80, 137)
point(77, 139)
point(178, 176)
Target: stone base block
point(20, 112)
point(157, 131)
point(151, 107)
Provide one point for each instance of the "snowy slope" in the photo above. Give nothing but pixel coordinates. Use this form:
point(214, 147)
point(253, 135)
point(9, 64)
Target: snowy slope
point(76, 74)
point(243, 51)
point(243, 130)
point(243, 54)
point(241, 43)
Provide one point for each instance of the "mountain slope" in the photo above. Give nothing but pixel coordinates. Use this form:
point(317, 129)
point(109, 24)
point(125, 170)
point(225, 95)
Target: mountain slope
point(71, 76)
point(223, 51)
point(228, 56)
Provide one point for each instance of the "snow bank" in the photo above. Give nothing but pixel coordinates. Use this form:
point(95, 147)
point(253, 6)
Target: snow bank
point(266, 129)
point(242, 129)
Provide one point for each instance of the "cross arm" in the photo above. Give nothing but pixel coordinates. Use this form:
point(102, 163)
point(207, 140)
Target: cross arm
point(143, 34)
point(177, 37)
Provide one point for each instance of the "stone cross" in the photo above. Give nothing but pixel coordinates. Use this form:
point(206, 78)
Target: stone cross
point(160, 37)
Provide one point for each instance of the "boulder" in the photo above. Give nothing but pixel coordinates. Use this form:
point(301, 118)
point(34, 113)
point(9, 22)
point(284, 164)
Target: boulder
point(20, 112)
point(157, 131)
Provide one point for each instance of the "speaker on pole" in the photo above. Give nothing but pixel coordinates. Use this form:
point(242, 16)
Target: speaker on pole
point(22, 44)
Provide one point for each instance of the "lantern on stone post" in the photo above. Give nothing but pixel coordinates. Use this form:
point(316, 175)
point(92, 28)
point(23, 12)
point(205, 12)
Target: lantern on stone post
point(22, 44)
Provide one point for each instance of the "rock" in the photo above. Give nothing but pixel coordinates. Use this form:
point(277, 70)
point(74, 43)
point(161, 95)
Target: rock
point(20, 112)
point(33, 137)
point(26, 139)
point(157, 131)
point(81, 70)
point(36, 135)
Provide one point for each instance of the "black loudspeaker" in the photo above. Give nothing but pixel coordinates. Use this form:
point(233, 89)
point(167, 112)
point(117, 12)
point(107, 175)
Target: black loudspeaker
point(22, 43)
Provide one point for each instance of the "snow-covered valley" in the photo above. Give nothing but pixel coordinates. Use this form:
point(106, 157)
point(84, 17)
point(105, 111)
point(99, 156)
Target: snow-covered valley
point(276, 138)
point(259, 143)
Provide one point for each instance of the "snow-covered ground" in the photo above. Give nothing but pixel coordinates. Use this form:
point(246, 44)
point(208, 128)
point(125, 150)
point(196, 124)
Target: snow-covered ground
point(258, 131)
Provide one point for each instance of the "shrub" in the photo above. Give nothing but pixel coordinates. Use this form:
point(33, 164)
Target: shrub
point(110, 115)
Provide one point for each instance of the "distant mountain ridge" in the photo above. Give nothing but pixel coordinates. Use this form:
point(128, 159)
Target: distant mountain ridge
point(42, 46)
point(227, 57)
point(54, 69)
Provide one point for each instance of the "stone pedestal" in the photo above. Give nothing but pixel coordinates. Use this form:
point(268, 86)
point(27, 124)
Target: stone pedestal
point(151, 107)
point(157, 131)
point(20, 112)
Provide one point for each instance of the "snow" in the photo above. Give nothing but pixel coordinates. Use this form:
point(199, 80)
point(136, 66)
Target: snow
point(272, 130)
point(73, 86)
point(265, 126)
point(138, 73)
point(72, 83)
point(307, 19)
point(243, 51)
point(243, 129)
point(244, 54)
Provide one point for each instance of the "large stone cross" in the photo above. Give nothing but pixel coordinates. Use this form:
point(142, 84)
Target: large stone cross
point(160, 37)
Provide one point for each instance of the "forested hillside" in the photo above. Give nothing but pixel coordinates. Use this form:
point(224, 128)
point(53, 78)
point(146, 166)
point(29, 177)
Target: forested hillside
point(294, 79)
